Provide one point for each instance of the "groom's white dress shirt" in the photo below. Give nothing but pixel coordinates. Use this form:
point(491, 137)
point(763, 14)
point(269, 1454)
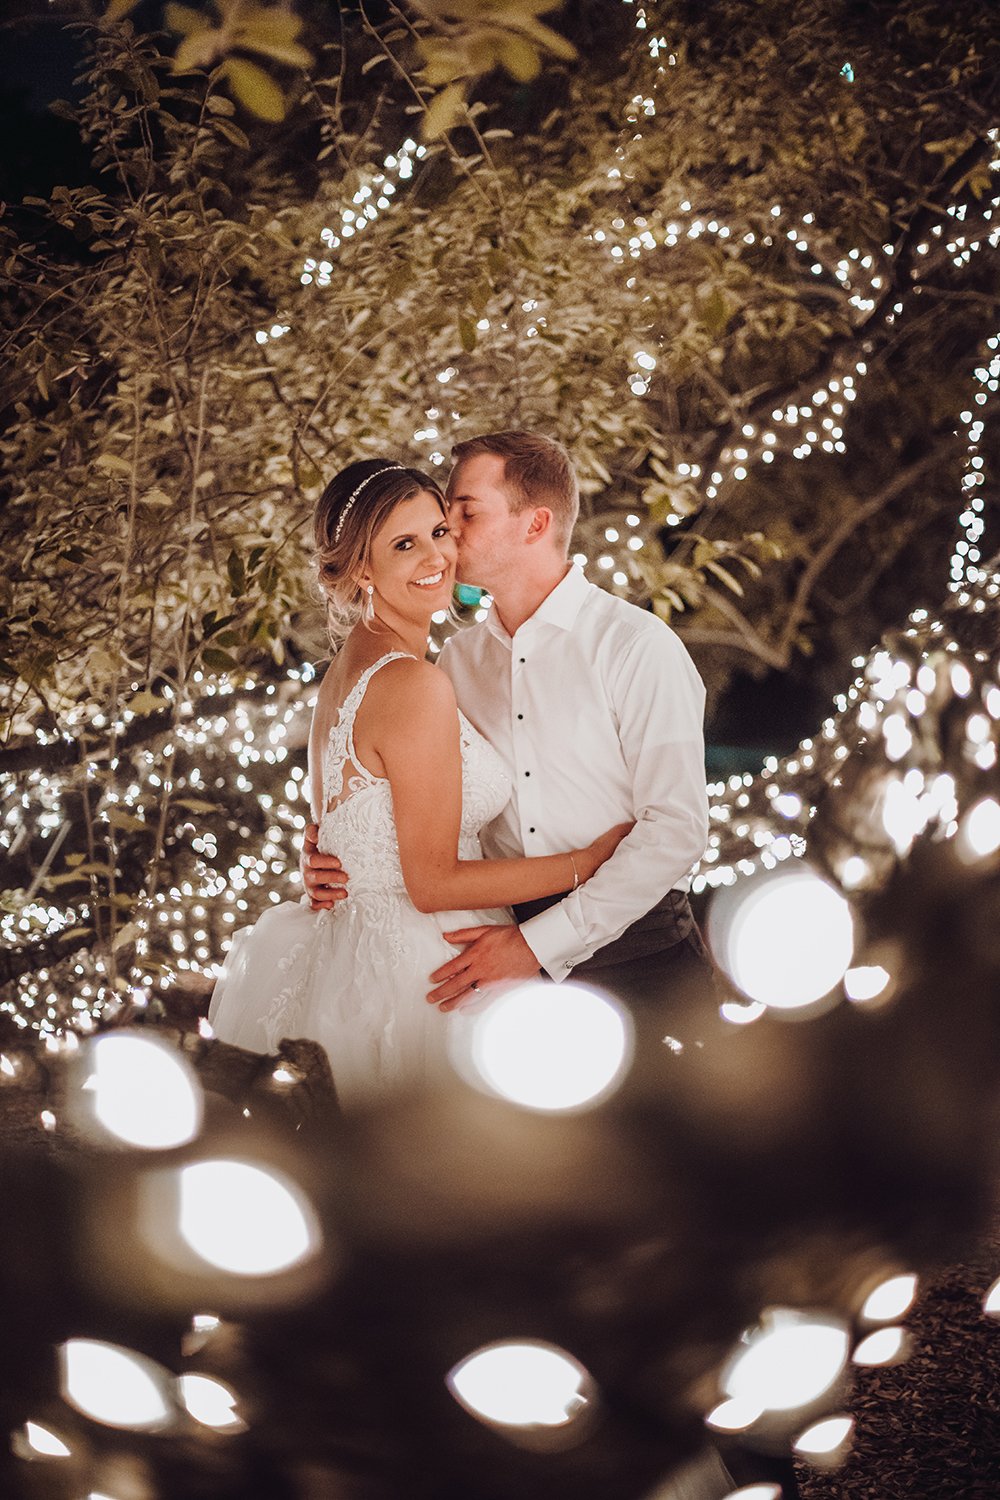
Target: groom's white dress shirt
point(596, 708)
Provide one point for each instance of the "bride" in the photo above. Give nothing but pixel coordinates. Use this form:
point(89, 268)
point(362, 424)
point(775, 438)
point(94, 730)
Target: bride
point(400, 785)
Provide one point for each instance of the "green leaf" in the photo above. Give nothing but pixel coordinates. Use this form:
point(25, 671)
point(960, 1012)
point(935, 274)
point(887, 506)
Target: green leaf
point(443, 112)
point(184, 19)
point(233, 134)
point(520, 58)
point(545, 37)
point(113, 462)
point(270, 22)
point(237, 574)
point(118, 10)
point(219, 661)
point(255, 89)
point(292, 53)
point(467, 334)
point(119, 818)
point(147, 702)
point(126, 934)
point(198, 49)
point(725, 577)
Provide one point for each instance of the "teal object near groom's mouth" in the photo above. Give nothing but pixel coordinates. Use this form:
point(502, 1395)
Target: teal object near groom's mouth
point(468, 594)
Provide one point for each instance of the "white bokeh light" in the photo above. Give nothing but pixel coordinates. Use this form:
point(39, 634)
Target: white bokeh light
point(734, 1415)
point(866, 982)
point(788, 1362)
point(545, 1046)
point(741, 1015)
point(521, 1384)
point(825, 1437)
point(979, 831)
point(115, 1386)
point(890, 1299)
point(210, 1402)
point(143, 1092)
point(756, 1492)
point(43, 1442)
point(991, 1302)
point(245, 1219)
point(883, 1347)
point(784, 938)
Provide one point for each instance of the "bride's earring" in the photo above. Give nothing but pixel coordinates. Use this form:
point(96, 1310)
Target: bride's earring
point(368, 605)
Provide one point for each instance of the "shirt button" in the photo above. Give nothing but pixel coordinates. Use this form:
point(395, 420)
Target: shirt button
point(521, 660)
point(531, 830)
point(520, 716)
point(527, 773)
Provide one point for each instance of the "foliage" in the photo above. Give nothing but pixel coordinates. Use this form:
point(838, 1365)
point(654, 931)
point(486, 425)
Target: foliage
point(172, 400)
point(449, 44)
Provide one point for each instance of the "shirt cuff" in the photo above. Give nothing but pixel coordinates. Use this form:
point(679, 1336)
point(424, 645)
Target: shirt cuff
point(554, 941)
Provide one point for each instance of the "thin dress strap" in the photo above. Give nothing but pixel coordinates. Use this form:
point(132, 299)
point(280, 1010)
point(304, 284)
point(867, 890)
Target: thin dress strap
point(340, 742)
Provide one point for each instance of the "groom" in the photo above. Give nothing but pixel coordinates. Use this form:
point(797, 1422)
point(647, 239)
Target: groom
point(596, 709)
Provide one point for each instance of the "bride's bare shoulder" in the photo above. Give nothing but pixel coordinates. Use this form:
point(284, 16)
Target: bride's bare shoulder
point(407, 682)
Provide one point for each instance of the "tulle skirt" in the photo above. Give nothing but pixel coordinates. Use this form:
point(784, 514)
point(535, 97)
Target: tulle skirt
point(355, 979)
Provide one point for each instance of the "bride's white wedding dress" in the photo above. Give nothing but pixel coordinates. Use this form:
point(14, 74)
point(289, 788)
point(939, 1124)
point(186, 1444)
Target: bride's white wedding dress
point(355, 977)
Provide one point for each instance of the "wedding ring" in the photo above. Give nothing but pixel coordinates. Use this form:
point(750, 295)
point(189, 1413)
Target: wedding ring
point(474, 985)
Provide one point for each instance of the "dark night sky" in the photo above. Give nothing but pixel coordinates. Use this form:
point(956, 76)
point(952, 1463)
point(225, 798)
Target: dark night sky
point(38, 59)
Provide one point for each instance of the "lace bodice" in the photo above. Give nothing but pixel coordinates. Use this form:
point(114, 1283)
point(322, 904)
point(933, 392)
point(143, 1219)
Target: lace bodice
point(357, 823)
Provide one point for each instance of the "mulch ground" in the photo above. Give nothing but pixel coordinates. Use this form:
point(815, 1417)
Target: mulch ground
point(929, 1428)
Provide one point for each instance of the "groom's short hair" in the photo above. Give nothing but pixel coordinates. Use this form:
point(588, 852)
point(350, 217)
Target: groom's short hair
point(537, 471)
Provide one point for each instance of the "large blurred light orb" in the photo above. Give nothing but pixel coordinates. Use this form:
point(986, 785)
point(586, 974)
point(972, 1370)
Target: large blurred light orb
point(546, 1046)
point(825, 1437)
point(890, 1299)
point(785, 938)
point(144, 1092)
point(521, 1384)
point(991, 1302)
point(115, 1386)
point(245, 1219)
point(789, 1362)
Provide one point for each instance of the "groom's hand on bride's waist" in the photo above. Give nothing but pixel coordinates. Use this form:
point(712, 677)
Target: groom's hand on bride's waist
point(490, 956)
point(323, 876)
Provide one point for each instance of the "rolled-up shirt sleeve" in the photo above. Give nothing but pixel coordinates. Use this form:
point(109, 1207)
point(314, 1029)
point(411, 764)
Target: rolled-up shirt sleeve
point(659, 702)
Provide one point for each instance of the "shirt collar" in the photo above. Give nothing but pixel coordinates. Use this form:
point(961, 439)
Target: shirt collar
point(559, 608)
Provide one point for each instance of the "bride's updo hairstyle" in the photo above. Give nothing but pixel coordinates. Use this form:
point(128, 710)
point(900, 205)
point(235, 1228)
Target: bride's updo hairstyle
point(353, 507)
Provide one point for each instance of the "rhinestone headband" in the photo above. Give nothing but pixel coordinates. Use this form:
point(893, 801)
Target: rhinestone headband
point(354, 495)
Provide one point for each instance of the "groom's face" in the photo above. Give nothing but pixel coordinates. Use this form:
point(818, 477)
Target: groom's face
point(490, 537)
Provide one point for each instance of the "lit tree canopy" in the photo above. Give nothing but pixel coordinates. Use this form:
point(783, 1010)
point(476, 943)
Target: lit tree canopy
point(648, 252)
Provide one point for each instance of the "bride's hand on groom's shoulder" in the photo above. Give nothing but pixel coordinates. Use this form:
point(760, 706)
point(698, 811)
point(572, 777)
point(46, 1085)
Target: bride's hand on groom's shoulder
point(323, 876)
